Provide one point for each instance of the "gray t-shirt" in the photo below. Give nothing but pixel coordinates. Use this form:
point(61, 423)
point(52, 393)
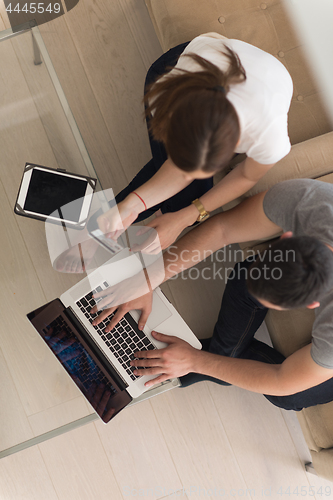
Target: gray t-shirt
point(305, 207)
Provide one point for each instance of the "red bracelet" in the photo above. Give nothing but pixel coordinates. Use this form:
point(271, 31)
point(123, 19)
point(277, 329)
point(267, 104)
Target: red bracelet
point(140, 199)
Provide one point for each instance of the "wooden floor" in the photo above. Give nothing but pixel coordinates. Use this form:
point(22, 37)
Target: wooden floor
point(205, 441)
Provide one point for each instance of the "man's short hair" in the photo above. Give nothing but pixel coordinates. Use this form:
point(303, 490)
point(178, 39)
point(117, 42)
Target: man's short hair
point(293, 273)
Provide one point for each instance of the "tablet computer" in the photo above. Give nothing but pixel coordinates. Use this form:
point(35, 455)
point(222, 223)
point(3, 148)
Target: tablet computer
point(55, 195)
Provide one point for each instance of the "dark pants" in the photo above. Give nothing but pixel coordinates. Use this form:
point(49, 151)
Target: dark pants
point(198, 187)
point(240, 317)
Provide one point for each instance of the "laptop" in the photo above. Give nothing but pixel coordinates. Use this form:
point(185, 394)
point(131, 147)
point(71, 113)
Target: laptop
point(97, 362)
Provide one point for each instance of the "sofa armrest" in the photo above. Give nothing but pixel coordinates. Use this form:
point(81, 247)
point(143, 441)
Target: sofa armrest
point(309, 159)
point(323, 463)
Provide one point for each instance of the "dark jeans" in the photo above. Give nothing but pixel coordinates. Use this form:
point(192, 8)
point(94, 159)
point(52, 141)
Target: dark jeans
point(198, 187)
point(240, 317)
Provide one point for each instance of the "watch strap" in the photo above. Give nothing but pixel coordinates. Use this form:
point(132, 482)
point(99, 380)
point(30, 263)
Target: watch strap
point(203, 214)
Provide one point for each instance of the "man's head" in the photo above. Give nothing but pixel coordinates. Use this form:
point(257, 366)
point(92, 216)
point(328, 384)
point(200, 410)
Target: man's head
point(294, 272)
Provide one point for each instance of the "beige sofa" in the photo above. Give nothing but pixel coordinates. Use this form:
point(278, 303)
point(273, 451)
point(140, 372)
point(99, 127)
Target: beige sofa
point(265, 24)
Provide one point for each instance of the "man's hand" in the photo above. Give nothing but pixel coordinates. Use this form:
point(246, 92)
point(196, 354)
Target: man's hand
point(175, 360)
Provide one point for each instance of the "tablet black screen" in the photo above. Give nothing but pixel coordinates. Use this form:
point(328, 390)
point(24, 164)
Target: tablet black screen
point(50, 192)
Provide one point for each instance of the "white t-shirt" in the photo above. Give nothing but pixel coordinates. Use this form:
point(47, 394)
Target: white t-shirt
point(261, 102)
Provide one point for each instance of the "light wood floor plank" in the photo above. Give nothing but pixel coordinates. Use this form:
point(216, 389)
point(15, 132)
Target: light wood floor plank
point(84, 104)
point(23, 138)
point(78, 466)
point(139, 22)
point(176, 494)
point(62, 414)
point(49, 110)
point(264, 452)
point(15, 426)
point(197, 440)
point(318, 483)
point(319, 486)
point(116, 74)
point(24, 476)
point(138, 452)
point(26, 354)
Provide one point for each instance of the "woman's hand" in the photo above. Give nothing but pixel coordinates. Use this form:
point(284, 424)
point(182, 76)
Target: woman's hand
point(143, 303)
point(168, 227)
point(116, 220)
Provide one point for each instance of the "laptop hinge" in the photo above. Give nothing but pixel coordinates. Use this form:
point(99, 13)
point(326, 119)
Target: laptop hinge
point(94, 348)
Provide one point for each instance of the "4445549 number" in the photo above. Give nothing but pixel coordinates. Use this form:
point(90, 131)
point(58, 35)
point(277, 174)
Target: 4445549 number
point(32, 8)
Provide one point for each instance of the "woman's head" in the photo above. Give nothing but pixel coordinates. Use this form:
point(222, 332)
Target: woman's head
point(192, 116)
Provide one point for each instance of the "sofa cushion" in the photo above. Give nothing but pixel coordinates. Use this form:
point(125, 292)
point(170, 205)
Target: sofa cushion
point(290, 330)
point(261, 23)
point(319, 420)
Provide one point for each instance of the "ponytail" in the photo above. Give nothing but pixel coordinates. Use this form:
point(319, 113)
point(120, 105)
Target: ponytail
point(190, 113)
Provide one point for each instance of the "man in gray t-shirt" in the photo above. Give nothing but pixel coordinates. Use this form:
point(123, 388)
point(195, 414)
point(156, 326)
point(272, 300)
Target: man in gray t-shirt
point(298, 272)
point(305, 207)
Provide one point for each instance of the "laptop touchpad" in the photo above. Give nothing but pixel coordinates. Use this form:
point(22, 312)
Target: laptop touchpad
point(160, 312)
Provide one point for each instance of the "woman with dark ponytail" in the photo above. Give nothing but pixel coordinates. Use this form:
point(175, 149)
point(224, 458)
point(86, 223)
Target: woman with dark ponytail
point(205, 101)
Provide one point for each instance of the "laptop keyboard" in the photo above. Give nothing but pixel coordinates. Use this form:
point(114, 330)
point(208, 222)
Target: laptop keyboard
point(78, 362)
point(124, 339)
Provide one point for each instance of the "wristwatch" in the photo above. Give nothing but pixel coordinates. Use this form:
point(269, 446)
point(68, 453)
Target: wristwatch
point(203, 214)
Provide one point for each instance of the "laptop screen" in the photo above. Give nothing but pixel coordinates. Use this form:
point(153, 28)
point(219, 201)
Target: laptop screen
point(104, 396)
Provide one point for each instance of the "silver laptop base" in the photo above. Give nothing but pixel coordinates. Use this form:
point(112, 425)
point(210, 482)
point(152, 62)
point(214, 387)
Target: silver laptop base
point(158, 389)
